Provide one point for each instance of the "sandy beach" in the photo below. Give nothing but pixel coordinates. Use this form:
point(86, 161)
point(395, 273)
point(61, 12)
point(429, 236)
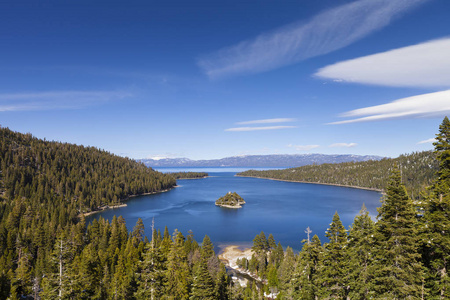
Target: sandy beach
point(231, 253)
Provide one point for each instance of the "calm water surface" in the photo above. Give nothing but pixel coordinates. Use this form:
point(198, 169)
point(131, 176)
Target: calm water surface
point(284, 209)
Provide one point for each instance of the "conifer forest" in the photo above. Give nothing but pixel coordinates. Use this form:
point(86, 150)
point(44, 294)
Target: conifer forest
point(47, 251)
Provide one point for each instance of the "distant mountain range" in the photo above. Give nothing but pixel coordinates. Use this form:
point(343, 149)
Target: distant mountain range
point(260, 161)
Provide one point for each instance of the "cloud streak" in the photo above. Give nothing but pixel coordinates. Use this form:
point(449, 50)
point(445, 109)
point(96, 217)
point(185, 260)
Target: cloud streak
point(343, 145)
point(326, 32)
point(303, 147)
point(423, 65)
point(267, 121)
point(57, 100)
point(427, 105)
point(429, 141)
point(259, 128)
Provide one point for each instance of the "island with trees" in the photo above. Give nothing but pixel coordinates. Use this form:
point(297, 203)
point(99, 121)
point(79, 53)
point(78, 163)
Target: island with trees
point(230, 200)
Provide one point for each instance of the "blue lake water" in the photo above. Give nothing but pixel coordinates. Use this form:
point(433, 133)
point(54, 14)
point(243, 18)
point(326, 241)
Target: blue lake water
point(284, 209)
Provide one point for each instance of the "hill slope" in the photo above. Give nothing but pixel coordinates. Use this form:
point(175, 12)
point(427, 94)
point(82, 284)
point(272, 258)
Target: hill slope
point(82, 178)
point(418, 170)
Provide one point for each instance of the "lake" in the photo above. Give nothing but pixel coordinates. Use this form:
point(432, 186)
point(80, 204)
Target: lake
point(284, 209)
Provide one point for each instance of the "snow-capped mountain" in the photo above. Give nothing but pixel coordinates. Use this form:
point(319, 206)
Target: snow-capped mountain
point(275, 160)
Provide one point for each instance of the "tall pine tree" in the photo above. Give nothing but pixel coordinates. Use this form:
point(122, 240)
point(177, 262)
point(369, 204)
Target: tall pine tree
point(436, 220)
point(335, 262)
point(360, 254)
point(397, 269)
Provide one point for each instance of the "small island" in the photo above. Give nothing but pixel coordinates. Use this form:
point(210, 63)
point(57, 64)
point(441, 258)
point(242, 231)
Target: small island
point(230, 200)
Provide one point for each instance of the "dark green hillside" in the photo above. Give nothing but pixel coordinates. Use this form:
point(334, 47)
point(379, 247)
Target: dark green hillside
point(188, 175)
point(80, 178)
point(418, 171)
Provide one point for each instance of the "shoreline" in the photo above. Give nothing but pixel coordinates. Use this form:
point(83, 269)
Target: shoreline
point(121, 204)
point(191, 178)
point(229, 255)
point(229, 206)
point(332, 184)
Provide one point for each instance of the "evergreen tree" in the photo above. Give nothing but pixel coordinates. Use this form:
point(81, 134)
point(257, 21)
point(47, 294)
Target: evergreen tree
point(286, 274)
point(271, 242)
point(203, 284)
point(151, 281)
point(436, 220)
point(221, 284)
point(360, 249)
point(207, 248)
point(335, 262)
point(306, 281)
point(178, 277)
point(397, 270)
point(139, 230)
point(59, 282)
point(260, 243)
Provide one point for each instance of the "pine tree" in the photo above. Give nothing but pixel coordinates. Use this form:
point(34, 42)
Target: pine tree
point(260, 243)
point(203, 284)
point(139, 230)
point(221, 284)
point(271, 242)
point(306, 280)
point(397, 270)
point(360, 248)
point(335, 262)
point(286, 274)
point(21, 283)
point(177, 274)
point(59, 283)
point(207, 250)
point(436, 220)
point(152, 279)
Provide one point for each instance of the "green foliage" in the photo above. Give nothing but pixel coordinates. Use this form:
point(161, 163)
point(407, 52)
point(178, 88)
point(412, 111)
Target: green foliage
point(307, 279)
point(333, 274)
point(397, 270)
point(46, 249)
point(418, 171)
point(436, 220)
point(230, 200)
point(203, 285)
point(360, 247)
point(188, 175)
point(48, 252)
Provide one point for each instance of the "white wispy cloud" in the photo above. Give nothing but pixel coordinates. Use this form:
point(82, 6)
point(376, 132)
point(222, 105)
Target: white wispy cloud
point(267, 121)
point(423, 65)
point(429, 141)
point(57, 99)
point(303, 147)
point(259, 128)
point(326, 32)
point(427, 105)
point(343, 145)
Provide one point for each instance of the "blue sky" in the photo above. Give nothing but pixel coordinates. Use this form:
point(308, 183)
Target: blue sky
point(211, 79)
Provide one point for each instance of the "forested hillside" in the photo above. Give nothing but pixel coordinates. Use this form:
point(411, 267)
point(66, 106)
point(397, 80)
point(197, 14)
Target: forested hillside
point(418, 171)
point(188, 175)
point(81, 178)
point(47, 251)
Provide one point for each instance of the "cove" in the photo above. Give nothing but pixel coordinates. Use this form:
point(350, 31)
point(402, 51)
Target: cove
point(284, 209)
